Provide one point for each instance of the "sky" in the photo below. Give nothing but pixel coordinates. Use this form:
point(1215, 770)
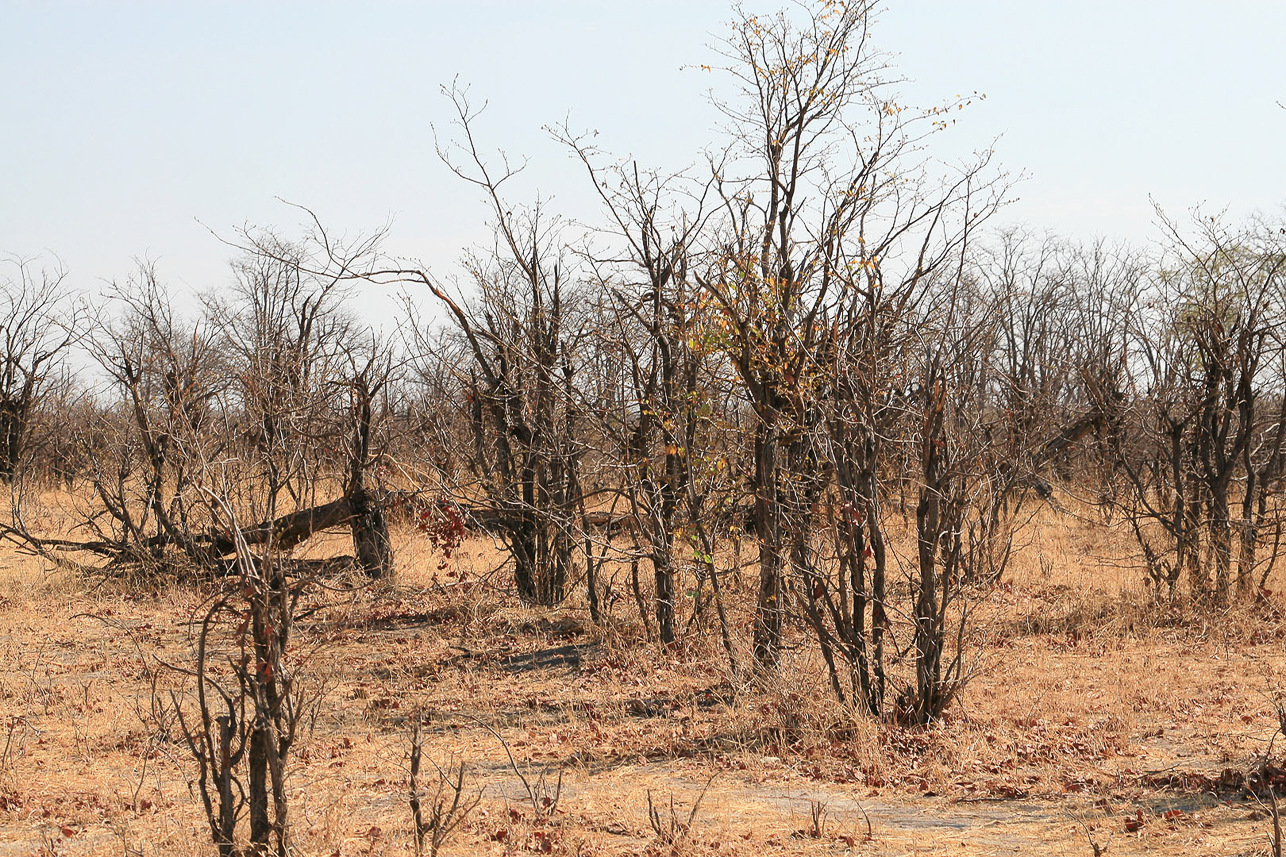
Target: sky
point(154, 129)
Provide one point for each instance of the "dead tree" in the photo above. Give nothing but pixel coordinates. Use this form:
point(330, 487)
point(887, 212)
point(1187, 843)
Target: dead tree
point(36, 329)
point(256, 382)
point(249, 692)
point(168, 375)
point(657, 409)
point(1207, 442)
point(371, 543)
point(516, 370)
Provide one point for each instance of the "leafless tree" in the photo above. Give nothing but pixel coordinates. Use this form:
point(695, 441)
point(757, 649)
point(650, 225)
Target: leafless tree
point(265, 379)
point(37, 327)
point(1208, 409)
point(518, 341)
point(837, 213)
point(250, 691)
point(1058, 372)
point(658, 408)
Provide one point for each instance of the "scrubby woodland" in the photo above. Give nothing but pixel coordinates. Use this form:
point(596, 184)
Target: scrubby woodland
point(790, 430)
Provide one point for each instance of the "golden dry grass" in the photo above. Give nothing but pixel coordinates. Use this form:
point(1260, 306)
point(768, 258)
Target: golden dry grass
point(1091, 714)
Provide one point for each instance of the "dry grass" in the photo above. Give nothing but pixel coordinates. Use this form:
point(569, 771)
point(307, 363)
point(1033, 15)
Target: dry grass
point(1092, 715)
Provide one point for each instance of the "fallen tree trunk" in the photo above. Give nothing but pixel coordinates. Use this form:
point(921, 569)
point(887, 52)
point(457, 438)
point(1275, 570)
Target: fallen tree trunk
point(286, 532)
point(358, 510)
point(289, 531)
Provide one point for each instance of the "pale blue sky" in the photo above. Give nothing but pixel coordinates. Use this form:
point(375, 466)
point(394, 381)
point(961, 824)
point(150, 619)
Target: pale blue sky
point(123, 124)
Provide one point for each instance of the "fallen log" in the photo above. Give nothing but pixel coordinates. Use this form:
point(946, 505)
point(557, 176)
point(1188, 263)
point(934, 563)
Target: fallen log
point(289, 531)
point(213, 548)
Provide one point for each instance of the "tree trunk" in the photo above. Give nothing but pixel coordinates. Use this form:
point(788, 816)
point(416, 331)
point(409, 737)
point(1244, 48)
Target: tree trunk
point(260, 823)
point(663, 577)
point(371, 543)
point(227, 820)
point(766, 639)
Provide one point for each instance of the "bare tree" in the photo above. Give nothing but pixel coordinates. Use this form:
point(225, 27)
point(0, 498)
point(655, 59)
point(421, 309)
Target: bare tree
point(953, 485)
point(518, 375)
point(660, 399)
point(837, 201)
point(164, 374)
point(1208, 363)
point(37, 327)
point(267, 379)
point(250, 692)
point(1058, 376)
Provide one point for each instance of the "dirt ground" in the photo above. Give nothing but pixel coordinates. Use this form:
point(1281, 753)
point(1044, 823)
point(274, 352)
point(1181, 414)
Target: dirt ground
point(1091, 718)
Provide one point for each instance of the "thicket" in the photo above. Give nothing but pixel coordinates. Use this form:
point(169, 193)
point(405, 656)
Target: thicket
point(809, 358)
